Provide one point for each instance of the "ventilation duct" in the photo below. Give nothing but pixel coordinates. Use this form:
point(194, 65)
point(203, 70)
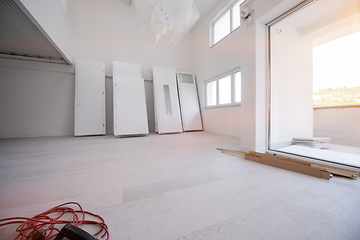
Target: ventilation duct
point(21, 37)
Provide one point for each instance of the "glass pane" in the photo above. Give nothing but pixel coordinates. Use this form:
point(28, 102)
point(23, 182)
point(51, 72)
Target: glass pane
point(237, 90)
point(236, 14)
point(186, 78)
point(167, 100)
point(225, 90)
point(336, 72)
point(222, 27)
point(211, 93)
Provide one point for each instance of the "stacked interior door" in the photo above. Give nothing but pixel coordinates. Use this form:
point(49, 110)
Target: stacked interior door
point(130, 116)
point(189, 102)
point(166, 101)
point(89, 98)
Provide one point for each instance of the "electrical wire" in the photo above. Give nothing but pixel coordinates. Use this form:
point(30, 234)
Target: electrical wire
point(50, 219)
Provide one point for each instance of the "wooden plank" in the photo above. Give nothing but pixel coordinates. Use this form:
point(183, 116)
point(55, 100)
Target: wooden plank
point(295, 167)
point(223, 150)
point(291, 164)
point(343, 173)
point(280, 158)
point(252, 158)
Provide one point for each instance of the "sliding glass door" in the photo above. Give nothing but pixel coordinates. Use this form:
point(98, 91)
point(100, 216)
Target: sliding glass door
point(314, 54)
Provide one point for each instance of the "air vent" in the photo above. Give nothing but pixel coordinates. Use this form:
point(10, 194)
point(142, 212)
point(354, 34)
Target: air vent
point(21, 39)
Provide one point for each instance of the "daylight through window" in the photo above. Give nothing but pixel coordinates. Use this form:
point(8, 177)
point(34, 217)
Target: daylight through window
point(336, 72)
point(226, 22)
point(224, 90)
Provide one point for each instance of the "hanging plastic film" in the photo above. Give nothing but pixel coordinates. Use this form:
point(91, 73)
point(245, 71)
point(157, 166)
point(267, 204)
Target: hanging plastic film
point(166, 21)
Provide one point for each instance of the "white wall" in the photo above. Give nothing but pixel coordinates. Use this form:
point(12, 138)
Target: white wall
point(291, 85)
point(210, 62)
point(109, 31)
point(103, 31)
point(36, 103)
point(245, 47)
point(342, 125)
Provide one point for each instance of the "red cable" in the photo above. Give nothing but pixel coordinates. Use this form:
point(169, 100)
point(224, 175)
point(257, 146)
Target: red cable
point(30, 225)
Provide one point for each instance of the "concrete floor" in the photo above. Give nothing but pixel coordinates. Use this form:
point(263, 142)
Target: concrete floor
point(173, 187)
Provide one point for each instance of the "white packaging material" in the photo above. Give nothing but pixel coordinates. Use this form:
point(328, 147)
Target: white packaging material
point(166, 20)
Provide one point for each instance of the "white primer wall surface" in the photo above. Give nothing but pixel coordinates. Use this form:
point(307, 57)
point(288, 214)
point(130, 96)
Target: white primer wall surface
point(342, 125)
point(245, 48)
point(113, 35)
point(36, 103)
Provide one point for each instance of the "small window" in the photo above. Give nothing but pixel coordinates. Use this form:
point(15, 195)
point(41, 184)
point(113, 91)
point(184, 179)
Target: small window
point(224, 90)
point(236, 15)
point(186, 78)
point(167, 100)
point(226, 22)
point(211, 93)
point(237, 87)
point(222, 27)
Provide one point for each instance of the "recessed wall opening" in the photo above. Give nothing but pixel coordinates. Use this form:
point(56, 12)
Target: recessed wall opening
point(314, 108)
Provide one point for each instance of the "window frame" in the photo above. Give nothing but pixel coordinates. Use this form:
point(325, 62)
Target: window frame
point(229, 8)
point(216, 79)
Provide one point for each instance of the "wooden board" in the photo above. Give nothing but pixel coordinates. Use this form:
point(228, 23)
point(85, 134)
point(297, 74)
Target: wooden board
point(343, 173)
point(292, 164)
point(223, 150)
point(280, 158)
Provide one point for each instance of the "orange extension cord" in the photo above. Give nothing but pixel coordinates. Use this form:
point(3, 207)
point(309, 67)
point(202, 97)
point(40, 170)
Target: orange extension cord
point(43, 221)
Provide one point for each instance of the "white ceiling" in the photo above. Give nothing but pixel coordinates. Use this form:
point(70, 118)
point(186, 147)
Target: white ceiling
point(204, 7)
point(319, 11)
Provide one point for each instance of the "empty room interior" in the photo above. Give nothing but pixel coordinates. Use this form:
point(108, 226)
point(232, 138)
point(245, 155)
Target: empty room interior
point(167, 119)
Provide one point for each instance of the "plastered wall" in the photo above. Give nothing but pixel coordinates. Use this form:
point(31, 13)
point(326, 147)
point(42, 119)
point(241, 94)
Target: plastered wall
point(342, 125)
point(37, 99)
point(36, 103)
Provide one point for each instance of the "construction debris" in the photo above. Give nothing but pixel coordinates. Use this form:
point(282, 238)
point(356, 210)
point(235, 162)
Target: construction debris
point(292, 164)
point(313, 142)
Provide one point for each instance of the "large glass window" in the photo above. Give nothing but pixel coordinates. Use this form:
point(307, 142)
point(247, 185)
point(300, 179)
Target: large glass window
point(314, 84)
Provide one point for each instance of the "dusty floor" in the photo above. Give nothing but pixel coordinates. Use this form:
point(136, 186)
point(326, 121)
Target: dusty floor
point(173, 187)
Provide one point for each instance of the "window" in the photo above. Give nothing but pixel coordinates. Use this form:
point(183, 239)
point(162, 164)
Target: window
point(222, 27)
point(237, 89)
point(224, 90)
point(226, 22)
point(211, 93)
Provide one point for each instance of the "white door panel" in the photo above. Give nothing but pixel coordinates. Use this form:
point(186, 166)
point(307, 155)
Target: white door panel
point(89, 98)
point(189, 102)
point(167, 111)
point(130, 107)
point(126, 70)
point(130, 116)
